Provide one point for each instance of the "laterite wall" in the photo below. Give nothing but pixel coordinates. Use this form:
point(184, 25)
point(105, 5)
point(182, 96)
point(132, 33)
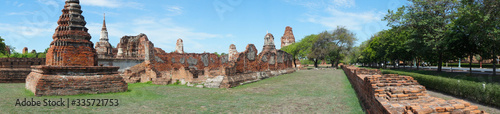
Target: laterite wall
point(391, 93)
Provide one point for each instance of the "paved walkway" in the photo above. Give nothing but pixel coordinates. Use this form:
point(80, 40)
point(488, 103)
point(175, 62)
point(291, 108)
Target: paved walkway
point(456, 69)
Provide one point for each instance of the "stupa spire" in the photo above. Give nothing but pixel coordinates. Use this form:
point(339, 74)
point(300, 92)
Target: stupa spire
point(104, 30)
point(104, 22)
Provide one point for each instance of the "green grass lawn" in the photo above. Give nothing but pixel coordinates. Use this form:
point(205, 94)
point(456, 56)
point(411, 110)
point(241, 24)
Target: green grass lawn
point(306, 91)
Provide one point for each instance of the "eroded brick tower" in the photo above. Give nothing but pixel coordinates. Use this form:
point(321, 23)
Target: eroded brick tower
point(71, 61)
point(71, 45)
point(287, 38)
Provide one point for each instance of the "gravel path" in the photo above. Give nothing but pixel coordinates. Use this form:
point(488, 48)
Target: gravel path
point(489, 109)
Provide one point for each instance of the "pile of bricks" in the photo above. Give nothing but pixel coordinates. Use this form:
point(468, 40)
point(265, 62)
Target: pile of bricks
point(391, 93)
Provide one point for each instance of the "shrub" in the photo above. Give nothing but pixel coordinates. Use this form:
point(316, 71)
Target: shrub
point(490, 94)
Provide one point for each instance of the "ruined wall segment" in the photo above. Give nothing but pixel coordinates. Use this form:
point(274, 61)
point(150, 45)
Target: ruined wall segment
point(210, 69)
point(232, 52)
point(132, 46)
point(395, 94)
point(15, 70)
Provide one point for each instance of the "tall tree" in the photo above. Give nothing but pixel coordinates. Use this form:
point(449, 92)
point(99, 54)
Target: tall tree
point(472, 32)
point(2, 46)
point(428, 19)
point(339, 42)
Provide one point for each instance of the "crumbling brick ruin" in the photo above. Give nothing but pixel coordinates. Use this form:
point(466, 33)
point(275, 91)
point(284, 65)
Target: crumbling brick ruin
point(232, 52)
point(25, 50)
point(15, 70)
point(209, 69)
point(71, 61)
point(287, 38)
point(132, 46)
point(179, 46)
point(393, 94)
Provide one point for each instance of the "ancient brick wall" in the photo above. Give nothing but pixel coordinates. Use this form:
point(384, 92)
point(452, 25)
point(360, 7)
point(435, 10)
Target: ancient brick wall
point(132, 46)
point(15, 70)
point(166, 68)
point(57, 80)
point(391, 93)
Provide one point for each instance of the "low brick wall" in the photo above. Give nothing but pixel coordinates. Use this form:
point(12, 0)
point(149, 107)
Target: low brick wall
point(15, 70)
point(240, 79)
point(391, 93)
point(56, 80)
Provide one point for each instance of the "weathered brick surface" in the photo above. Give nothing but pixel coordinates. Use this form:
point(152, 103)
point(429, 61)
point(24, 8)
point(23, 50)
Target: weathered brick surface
point(391, 93)
point(58, 80)
point(132, 46)
point(15, 70)
point(71, 45)
point(71, 61)
point(166, 68)
point(287, 38)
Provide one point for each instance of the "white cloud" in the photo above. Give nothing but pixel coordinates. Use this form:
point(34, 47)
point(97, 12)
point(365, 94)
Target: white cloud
point(111, 3)
point(19, 35)
point(344, 3)
point(353, 21)
point(174, 10)
point(21, 13)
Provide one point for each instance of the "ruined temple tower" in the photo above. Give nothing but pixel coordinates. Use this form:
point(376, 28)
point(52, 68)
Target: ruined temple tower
point(233, 53)
point(287, 38)
point(71, 45)
point(25, 50)
point(103, 47)
point(179, 46)
point(269, 42)
point(71, 61)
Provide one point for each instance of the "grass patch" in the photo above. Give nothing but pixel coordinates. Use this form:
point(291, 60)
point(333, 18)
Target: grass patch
point(320, 91)
point(473, 90)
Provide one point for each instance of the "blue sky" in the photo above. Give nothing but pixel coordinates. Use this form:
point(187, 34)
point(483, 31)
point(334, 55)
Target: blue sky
point(204, 25)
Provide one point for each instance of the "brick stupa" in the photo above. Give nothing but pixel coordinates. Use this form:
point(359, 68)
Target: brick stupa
point(287, 38)
point(71, 61)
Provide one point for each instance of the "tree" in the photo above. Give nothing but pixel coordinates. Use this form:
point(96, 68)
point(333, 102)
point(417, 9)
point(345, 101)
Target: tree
point(2, 46)
point(428, 20)
point(471, 32)
point(339, 43)
point(318, 48)
point(293, 50)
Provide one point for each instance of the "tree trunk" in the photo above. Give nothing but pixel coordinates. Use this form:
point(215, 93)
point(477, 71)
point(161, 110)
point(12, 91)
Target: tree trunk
point(494, 62)
point(395, 64)
point(470, 64)
point(315, 63)
point(440, 62)
point(295, 64)
point(418, 64)
point(331, 62)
